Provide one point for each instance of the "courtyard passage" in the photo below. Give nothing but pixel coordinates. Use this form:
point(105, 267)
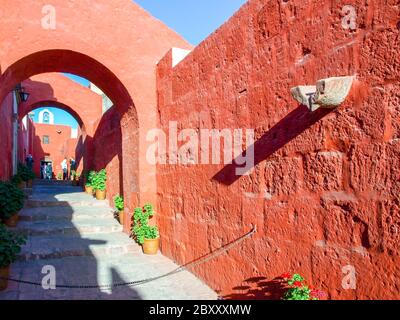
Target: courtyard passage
point(81, 239)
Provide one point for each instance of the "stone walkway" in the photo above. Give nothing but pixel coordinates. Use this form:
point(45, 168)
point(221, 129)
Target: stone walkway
point(79, 236)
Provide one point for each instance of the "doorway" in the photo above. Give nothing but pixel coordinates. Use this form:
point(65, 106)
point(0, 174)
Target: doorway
point(46, 169)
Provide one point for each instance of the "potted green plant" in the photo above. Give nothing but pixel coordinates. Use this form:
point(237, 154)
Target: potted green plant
point(17, 181)
point(75, 177)
point(99, 184)
point(89, 181)
point(26, 174)
point(146, 235)
point(10, 246)
point(119, 205)
point(11, 202)
point(72, 175)
point(59, 176)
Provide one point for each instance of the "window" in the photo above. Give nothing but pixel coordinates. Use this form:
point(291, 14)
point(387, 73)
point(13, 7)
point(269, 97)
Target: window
point(46, 140)
point(46, 117)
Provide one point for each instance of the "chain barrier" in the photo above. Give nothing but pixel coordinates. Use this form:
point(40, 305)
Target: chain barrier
point(182, 268)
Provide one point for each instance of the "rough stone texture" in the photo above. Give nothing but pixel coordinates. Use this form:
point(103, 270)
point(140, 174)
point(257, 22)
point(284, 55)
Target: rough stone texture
point(325, 190)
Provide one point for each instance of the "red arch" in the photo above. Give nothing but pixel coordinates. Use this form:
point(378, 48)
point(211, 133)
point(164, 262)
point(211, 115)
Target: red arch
point(56, 104)
point(53, 89)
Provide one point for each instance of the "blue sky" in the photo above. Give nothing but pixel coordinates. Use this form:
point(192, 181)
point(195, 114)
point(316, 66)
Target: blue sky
point(195, 20)
point(60, 117)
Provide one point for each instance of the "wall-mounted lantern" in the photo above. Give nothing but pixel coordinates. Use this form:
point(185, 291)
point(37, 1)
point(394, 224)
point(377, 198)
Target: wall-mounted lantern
point(23, 95)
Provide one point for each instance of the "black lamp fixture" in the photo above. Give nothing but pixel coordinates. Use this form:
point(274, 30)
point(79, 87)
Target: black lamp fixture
point(23, 95)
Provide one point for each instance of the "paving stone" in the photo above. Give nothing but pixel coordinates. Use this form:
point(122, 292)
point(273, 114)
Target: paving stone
point(76, 227)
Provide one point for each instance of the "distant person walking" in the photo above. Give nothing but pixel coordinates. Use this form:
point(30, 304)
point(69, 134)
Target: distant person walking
point(72, 165)
point(64, 167)
point(44, 171)
point(29, 161)
point(49, 171)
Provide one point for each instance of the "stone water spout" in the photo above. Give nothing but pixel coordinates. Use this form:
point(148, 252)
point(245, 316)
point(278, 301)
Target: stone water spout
point(327, 93)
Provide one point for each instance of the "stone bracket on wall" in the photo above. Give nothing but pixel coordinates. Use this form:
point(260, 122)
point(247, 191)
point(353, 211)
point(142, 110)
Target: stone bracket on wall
point(327, 93)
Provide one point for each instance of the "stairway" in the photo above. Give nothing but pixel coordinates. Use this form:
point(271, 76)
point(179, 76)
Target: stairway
point(79, 236)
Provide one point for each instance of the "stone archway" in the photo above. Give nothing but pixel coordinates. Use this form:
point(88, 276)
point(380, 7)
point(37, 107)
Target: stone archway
point(122, 64)
point(52, 89)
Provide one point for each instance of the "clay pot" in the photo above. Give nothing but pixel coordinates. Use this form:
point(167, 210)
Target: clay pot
point(4, 273)
point(150, 246)
point(121, 217)
point(12, 221)
point(101, 194)
point(89, 190)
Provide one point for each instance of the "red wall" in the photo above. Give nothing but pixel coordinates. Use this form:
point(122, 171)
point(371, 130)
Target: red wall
point(6, 137)
point(325, 191)
point(61, 146)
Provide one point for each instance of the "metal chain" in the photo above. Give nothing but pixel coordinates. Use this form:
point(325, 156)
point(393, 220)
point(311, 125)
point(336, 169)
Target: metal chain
point(193, 264)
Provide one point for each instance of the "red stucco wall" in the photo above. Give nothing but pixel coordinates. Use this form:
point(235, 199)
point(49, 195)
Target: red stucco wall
point(325, 191)
point(6, 137)
point(61, 146)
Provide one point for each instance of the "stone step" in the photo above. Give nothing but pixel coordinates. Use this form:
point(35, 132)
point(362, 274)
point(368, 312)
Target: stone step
point(39, 182)
point(41, 202)
point(54, 247)
point(75, 227)
point(68, 213)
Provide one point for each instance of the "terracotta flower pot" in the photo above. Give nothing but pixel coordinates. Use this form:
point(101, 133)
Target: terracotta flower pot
point(101, 194)
point(89, 190)
point(4, 273)
point(150, 246)
point(121, 217)
point(12, 221)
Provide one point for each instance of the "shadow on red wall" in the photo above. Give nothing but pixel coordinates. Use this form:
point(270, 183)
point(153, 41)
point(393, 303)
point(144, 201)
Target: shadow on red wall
point(294, 124)
point(258, 288)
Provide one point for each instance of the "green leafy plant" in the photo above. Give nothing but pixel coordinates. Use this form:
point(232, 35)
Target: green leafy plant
point(11, 200)
point(59, 176)
point(119, 203)
point(25, 172)
point(99, 180)
point(10, 246)
point(16, 180)
point(89, 176)
point(298, 289)
point(141, 229)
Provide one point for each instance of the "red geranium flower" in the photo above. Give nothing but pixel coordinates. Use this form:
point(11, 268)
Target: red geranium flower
point(286, 276)
point(297, 284)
